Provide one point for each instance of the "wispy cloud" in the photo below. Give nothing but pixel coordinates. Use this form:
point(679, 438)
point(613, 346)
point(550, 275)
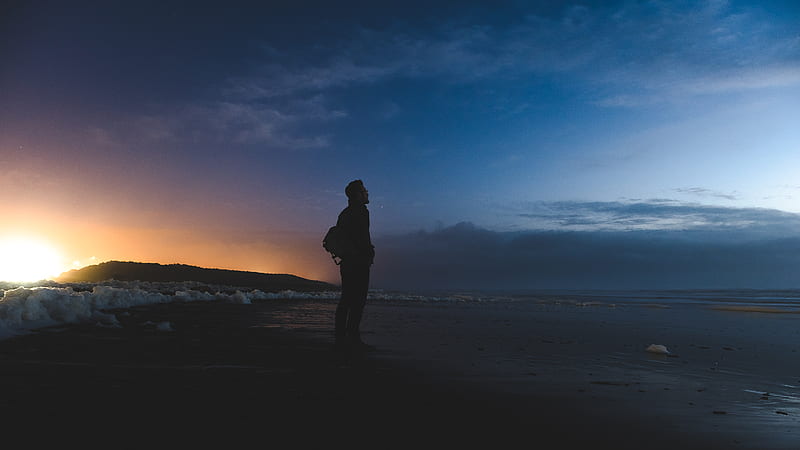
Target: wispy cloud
point(642, 53)
point(274, 80)
point(656, 215)
point(271, 126)
point(749, 78)
point(703, 192)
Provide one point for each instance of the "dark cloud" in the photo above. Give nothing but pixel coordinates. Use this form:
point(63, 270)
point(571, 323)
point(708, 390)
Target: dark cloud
point(467, 257)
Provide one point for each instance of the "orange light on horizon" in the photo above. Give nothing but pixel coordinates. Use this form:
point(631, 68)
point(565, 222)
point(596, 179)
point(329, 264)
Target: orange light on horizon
point(43, 245)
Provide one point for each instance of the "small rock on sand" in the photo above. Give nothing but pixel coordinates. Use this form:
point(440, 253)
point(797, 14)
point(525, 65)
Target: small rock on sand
point(658, 349)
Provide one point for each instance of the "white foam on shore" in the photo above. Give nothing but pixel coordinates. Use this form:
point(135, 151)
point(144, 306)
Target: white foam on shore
point(27, 308)
point(33, 306)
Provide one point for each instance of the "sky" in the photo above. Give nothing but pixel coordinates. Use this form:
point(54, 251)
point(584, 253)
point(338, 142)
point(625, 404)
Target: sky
point(516, 144)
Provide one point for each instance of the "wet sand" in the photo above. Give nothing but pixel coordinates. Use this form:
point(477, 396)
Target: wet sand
point(454, 374)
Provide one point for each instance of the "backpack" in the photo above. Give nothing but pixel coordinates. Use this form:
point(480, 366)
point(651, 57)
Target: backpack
point(336, 243)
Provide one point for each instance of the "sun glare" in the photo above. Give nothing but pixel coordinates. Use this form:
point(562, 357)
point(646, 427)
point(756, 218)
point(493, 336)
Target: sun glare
point(25, 259)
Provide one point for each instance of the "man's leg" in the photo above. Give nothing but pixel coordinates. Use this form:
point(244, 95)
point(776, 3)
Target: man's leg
point(340, 322)
point(343, 308)
point(360, 288)
point(354, 323)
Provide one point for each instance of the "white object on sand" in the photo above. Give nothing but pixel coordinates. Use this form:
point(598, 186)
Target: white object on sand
point(658, 348)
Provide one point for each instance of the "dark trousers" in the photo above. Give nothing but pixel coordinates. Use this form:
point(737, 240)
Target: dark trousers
point(355, 284)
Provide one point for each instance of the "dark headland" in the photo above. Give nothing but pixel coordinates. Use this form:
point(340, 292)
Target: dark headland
point(137, 271)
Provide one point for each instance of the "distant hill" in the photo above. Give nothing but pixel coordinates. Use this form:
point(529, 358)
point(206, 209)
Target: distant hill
point(135, 271)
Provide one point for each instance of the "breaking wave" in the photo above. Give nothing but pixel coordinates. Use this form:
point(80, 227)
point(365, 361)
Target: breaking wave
point(27, 308)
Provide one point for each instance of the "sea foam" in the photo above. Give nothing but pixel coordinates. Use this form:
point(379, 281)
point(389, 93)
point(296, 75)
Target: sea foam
point(27, 308)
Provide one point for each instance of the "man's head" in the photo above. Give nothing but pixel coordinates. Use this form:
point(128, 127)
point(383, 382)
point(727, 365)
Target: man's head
point(357, 193)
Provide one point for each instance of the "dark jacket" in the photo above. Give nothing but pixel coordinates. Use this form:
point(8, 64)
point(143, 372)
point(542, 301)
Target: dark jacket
point(355, 221)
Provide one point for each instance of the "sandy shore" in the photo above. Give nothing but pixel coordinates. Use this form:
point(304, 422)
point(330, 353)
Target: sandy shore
point(542, 375)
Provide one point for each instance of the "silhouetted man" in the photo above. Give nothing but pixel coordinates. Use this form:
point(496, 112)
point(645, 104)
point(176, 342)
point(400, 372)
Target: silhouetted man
point(354, 220)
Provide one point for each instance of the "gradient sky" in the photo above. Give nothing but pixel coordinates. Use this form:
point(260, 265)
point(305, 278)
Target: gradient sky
point(223, 135)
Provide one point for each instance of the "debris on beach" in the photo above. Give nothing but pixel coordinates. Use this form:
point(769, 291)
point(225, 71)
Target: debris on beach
point(658, 349)
point(164, 326)
point(105, 320)
point(160, 326)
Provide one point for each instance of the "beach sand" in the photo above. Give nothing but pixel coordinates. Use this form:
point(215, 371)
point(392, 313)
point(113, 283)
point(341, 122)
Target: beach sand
point(510, 373)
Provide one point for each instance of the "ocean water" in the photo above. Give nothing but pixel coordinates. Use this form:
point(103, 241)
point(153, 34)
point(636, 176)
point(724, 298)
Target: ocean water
point(36, 305)
point(785, 301)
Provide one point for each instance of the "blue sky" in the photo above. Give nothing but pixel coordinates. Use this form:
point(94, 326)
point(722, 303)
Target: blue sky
point(230, 132)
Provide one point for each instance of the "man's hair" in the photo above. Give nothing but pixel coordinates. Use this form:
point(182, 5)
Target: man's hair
point(353, 187)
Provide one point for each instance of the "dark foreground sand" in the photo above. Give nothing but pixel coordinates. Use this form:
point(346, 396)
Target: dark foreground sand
point(266, 374)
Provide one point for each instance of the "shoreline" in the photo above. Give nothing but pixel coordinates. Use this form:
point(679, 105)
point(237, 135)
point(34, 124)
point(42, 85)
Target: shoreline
point(269, 368)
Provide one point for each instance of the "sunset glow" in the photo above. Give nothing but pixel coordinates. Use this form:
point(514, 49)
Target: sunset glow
point(28, 259)
point(225, 141)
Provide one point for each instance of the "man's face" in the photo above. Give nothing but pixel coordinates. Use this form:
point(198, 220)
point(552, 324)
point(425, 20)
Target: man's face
point(365, 196)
